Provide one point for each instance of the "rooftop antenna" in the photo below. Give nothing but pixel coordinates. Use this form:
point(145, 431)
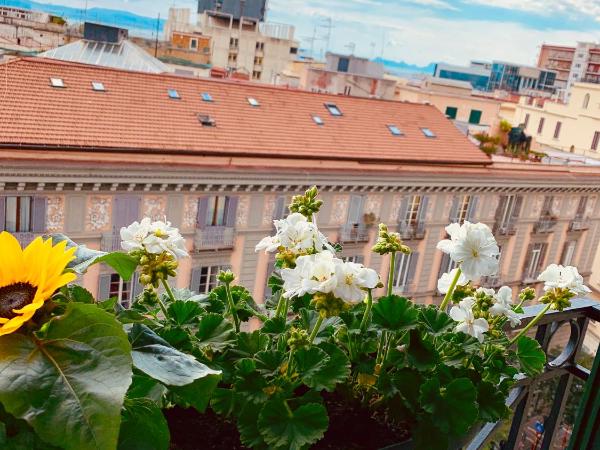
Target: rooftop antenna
point(352, 47)
point(156, 41)
point(327, 24)
point(312, 40)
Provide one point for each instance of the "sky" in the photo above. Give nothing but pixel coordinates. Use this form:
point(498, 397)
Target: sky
point(418, 31)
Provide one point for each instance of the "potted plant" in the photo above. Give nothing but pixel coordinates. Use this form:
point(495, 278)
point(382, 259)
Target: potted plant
point(329, 365)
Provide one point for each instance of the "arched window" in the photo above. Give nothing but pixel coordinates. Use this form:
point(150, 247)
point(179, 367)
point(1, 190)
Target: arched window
point(586, 101)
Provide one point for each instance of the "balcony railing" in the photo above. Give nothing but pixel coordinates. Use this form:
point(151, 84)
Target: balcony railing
point(110, 242)
point(411, 230)
point(544, 225)
point(530, 277)
point(352, 232)
point(213, 238)
point(578, 224)
point(563, 370)
point(506, 229)
point(492, 281)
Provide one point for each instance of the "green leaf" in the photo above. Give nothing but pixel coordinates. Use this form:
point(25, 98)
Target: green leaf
point(223, 402)
point(531, 356)
point(143, 427)
point(492, 403)
point(427, 436)
point(405, 381)
point(251, 387)
point(241, 298)
point(276, 325)
point(69, 384)
point(216, 332)
point(435, 321)
point(421, 352)
point(155, 357)
point(143, 386)
point(80, 294)
point(248, 427)
point(336, 370)
point(280, 426)
point(197, 393)
point(248, 344)
point(269, 362)
point(395, 313)
point(184, 312)
point(309, 363)
point(122, 263)
point(453, 408)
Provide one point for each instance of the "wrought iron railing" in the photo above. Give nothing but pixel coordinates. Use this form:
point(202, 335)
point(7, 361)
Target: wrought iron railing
point(411, 230)
point(211, 238)
point(506, 229)
point(110, 242)
point(354, 232)
point(578, 224)
point(564, 369)
point(491, 281)
point(544, 225)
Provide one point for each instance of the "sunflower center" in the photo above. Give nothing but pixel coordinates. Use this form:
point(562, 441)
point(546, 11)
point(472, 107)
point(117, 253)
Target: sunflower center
point(15, 296)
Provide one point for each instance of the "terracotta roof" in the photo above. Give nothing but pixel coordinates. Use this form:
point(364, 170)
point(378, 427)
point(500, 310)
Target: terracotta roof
point(136, 114)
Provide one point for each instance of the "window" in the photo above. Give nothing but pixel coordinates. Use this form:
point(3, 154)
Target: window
point(193, 44)
point(595, 140)
point(232, 57)
point(451, 112)
point(412, 211)
point(540, 125)
point(347, 90)
point(343, 64)
point(395, 130)
point(318, 120)
point(258, 60)
point(357, 259)
point(428, 133)
point(204, 279)
point(586, 101)
point(403, 263)
point(475, 117)
point(98, 86)
point(233, 42)
point(333, 109)
point(216, 210)
point(463, 207)
point(281, 207)
point(260, 46)
point(581, 208)
point(17, 214)
point(526, 121)
point(120, 289)
point(568, 253)
point(507, 212)
point(253, 102)
point(294, 50)
point(256, 75)
point(355, 210)
point(206, 120)
point(174, 94)
point(207, 97)
point(57, 82)
point(536, 254)
point(557, 129)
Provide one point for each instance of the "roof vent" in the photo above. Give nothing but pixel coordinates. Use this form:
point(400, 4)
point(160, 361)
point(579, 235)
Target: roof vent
point(206, 120)
point(57, 82)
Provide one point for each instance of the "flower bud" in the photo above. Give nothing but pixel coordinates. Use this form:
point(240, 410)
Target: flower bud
point(226, 276)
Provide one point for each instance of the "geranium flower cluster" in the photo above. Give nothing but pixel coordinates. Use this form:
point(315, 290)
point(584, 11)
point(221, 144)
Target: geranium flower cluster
point(154, 238)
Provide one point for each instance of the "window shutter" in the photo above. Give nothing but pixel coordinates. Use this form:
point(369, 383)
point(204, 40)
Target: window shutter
point(500, 210)
point(103, 287)
point(472, 210)
point(136, 286)
point(423, 209)
point(231, 214)
point(542, 258)
point(355, 209)
point(2, 213)
point(444, 264)
point(126, 210)
point(38, 218)
point(201, 214)
point(516, 212)
point(195, 279)
point(412, 268)
point(527, 261)
point(403, 210)
point(279, 209)
point(454, 209)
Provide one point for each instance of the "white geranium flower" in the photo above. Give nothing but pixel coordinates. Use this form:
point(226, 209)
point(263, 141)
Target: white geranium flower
point(503, 306)
point(565, 277)
point(269, 244)
point(473, 246)
point(153, 237)
point(313, 273)
point(295, 233)
point(352, 279)
point(463, 314)
point(446, 279)
point(132, 237)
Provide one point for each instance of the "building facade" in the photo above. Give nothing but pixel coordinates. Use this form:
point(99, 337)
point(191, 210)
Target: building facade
point(26, 30)
point(221, 160)
point(477, 74)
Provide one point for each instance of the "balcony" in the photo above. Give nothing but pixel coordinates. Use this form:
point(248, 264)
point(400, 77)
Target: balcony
point(507, 229)
point(579, 224)
point(491, 281)
point(411, 230)
point(214, 238)
point(546, 224)
point(544, 399)
point(531, 277)
point(110, 242)
point(352, 232)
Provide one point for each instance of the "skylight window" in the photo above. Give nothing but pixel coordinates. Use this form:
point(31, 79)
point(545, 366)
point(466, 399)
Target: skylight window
point(318, 120)
point(207, 97)
point(57, 82)
point(98, 86)
point(206, 120)
point(253, 101)
point(428, 133)
point(174, 94)
point(333, 109)
point(395, 130)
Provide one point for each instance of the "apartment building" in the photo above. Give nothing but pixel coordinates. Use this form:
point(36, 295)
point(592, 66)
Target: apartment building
point(572, 127)
point(34, 31)
point(221, 160)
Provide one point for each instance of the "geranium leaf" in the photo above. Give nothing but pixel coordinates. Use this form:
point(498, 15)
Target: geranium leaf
point(336, 370)
point(282, 427)
point(421, 352)
point(453, 409)
point(268, 362)
point(491, 400)
point(395, 313)
point(405, 381)
point(435, 321)
point(143, 427)
point(122, 263)
point(156, 358)
point(248, 344)
point(69, 384)
point(248, 427)
point(531, 356)
point(223, 402)
point(276, 325)
point(197, 393)
point(216, 332)
point(184, 311)
point(310, 363)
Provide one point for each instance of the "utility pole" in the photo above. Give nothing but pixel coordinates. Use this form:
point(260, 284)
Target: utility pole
point(328, 25)
point(156, 41)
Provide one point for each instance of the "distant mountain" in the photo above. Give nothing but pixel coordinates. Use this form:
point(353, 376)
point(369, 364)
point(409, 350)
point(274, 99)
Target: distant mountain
point(401, 67)
point(133, 22)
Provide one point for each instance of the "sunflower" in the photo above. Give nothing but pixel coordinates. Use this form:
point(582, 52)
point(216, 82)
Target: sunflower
point(29, 277)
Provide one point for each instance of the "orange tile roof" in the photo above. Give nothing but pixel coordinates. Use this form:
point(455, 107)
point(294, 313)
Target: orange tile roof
point(135, 114)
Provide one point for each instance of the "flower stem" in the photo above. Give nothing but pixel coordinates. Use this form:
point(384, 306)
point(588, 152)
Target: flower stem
point(365, 320)
point(280, 305)
point(236, 321)
point(391, 274)
point(163, 308)
point(168, 290)
point(535, 320)
point(288, 370)
point(315, 330)
point(448, 295)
